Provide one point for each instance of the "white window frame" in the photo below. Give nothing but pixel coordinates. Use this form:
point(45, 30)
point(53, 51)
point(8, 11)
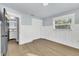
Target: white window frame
point(72, 16)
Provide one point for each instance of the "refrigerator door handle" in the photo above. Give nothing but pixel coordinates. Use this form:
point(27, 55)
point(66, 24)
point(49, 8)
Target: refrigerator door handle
point(4, 35)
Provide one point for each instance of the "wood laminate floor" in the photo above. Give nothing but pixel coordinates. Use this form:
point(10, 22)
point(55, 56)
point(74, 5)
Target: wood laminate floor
point(40, 47)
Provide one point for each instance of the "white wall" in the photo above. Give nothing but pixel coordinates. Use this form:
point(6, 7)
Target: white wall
point(70, 38)
point(30, 32)
point(67, 37)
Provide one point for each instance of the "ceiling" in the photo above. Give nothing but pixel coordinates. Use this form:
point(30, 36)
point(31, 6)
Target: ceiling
point(38, 10)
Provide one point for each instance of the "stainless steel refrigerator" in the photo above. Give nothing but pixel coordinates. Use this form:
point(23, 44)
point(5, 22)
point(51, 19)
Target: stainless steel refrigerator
point(4, 32)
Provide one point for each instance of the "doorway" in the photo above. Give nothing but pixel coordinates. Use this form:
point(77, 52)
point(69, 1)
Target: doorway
point(14, 28)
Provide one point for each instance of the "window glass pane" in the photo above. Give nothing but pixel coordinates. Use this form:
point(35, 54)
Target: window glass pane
point(62, 27)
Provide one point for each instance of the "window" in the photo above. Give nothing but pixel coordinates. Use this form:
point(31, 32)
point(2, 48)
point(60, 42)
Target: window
point(63, 22)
